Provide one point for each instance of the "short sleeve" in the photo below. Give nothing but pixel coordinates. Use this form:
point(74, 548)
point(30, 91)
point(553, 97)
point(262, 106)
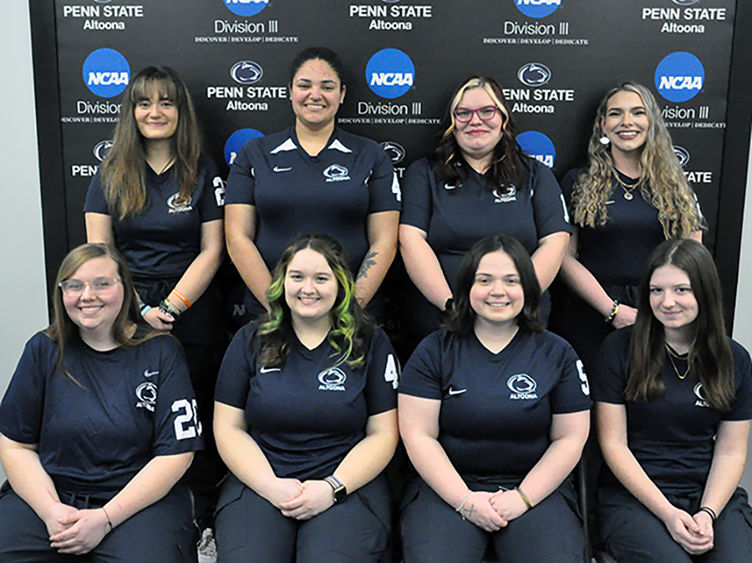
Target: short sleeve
point(383, 375)
point(551, 215)
point(177, 428)
point(572, 393)
point(567, 185)
point(234, 378)
point(23, 403)
point(417, 205)
point(609, 372)
point(383, 186)
point(741, 408)
point(241, 182)
point(212, 193)
point(95, 199)
point(422, 374)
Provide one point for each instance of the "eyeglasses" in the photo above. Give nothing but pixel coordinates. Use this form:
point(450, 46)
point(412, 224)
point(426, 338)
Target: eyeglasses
point(74, 287)
point(486, 113)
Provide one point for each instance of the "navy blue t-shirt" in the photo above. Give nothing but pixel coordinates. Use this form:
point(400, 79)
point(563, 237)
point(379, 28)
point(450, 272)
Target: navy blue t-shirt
point(163, 240)
point(125, 407)
point(673, 437)
point(307, 414)
point(455, 218)
point(295, 193)
point(496, 409)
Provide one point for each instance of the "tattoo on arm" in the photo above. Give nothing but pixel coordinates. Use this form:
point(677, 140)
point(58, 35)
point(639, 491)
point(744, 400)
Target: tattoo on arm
point(368, 261)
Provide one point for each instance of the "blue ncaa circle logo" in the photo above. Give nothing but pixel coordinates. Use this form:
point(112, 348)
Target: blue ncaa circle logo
point(236, 141)
point(538, 146)
point(106, 72)
point(390, 73)
point(537, 8)
point(679, 76)
point(246, 72)
point(245, 8)
point(534, 74)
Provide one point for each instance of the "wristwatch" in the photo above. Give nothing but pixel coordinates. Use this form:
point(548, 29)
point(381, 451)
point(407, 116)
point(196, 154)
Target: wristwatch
point(338, 489)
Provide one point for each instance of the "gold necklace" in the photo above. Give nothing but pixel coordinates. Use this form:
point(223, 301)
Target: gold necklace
point(628, 188)
point(671, 356)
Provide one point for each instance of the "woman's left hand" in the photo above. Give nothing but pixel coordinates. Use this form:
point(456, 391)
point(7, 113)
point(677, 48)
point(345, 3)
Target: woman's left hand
point(87, 529)
point(508, 504)
point(316, 497)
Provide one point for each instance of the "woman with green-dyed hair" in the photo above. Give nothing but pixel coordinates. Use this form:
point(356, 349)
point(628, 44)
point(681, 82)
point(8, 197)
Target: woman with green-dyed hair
point(305, 419)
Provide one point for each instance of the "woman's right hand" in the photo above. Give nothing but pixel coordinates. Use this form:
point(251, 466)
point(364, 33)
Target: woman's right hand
point(479, 511)
point(283, 490)
point(58, 513)
point(625, 317)
point(158, 319)
point(686, 532)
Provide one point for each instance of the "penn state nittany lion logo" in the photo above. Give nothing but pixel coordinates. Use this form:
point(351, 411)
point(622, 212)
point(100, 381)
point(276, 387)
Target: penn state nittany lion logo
point(176, 204)
point(336, 173)
point(701, 401)
point(509, 193)
point(146, 393)
point(332, 379)
point(522, 386)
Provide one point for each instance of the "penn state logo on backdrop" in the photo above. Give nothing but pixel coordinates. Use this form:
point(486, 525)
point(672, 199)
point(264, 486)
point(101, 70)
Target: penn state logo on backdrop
point(538, 146)
point(246, 72)
point(245, 8)
point(701, 401)
point(534, 74)
point(522, 387)
point(537, 8)
point(679, 76)
point(101, 149)
point(505, 194)
point(682, 154)
point(175, 204)
point(685, 2)
point(106, 72)
point(390, 73)
point(336, 173)
point(332, 379)
point(146, 393)
point(394, 151)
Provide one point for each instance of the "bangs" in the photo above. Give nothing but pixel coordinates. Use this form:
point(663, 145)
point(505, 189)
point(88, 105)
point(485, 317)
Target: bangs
point(145, 86)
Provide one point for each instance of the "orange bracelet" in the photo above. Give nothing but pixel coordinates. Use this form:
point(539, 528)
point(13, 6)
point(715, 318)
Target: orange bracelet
point(181, 297)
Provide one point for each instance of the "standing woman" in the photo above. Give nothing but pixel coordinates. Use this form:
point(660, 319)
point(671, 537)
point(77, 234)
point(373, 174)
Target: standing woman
point(494, 413)
point(98, 425)
point(312, 177)
point(476, 183)
point(159, 202)
point(631, 197)
point(674, 403)
point(306, 420)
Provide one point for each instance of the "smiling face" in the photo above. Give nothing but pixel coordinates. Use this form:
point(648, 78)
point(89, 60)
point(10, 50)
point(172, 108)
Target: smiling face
point(626, 122)
point(477, 138)
point(316, 94)
point(156, 116)
point(94, 312)
point(672, 299)
point(310, 286)
point(497, 296)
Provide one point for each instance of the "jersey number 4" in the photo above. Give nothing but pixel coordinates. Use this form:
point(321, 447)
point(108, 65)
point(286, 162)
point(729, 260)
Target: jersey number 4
point(391, 373)
point(187, 424)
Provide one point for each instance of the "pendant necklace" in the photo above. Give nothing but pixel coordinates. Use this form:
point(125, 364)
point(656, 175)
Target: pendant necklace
point(671, 356)
point(628, 188)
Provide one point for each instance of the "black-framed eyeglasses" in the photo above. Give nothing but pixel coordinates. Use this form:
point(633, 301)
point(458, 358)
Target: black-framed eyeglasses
point(486, 113)
point(75, 287)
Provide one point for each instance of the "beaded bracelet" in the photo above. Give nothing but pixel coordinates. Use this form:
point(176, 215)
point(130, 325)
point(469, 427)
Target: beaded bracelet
point(614, 311)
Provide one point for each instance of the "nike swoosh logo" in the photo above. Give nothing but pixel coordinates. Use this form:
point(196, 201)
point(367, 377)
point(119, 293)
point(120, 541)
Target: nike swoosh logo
point(148, 373)
point(267, 370)
point(453, 391)
point(449, 187)
point(280, 169)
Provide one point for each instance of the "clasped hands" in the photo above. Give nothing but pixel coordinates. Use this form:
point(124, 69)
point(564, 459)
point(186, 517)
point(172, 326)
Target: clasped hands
point(73, 531)
point(493, 511)
point(301, 500)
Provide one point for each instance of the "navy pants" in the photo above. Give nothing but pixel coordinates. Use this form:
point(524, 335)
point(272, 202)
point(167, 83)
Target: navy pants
point(161, 532)
point(630, 532)
point(249, 528)
point(433, 532)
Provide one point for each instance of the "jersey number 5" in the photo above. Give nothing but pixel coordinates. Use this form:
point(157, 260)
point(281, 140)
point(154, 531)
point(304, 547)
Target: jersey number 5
point(187, 424)
point(583, 377)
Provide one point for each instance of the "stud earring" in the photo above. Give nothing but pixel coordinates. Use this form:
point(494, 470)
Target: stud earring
point(604, 141)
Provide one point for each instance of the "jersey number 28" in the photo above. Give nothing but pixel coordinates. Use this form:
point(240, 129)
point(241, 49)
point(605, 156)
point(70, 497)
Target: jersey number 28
point(187, 424)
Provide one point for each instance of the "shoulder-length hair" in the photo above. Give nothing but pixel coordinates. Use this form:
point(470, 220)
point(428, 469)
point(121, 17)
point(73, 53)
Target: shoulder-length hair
point(352, 328)
point(710, 359)
point(124, 168)
point(462, 316)
point(662, 179)
point(63, 330)
point(449, 164)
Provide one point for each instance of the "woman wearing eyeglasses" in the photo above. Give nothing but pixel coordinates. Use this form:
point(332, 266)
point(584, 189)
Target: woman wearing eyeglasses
point(98, 425)
point(476, 183)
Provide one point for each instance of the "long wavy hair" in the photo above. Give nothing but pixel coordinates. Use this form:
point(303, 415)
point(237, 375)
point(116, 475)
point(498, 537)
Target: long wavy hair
point(462, 316)
point(662, 181)
point(506, 168)
point(63, 330)
point(124, 168)
point(711, 360)
point(351, 328)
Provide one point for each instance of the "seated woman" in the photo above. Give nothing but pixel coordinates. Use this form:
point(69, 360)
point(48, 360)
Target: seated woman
point(98, 425)
point(305, 420)
point(494, 413)
point(674, 403)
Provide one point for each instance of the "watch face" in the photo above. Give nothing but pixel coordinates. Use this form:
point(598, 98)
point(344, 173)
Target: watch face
point(340, 494)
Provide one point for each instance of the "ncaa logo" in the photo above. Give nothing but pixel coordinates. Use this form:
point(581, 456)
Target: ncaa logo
point(682, 154)
point(332, 379)
point(245, 7)
point(106, 72)
point(394, 151)
point(246, 72)
point(390, 73)
point(679, 76)
point(534, 74)
point(537, 8)
point(101, 149)
point(236, 141)
point(538, 146)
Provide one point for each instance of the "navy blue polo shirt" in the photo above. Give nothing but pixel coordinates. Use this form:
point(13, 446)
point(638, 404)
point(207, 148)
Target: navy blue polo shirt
point(307, 414)
point(496, 409)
